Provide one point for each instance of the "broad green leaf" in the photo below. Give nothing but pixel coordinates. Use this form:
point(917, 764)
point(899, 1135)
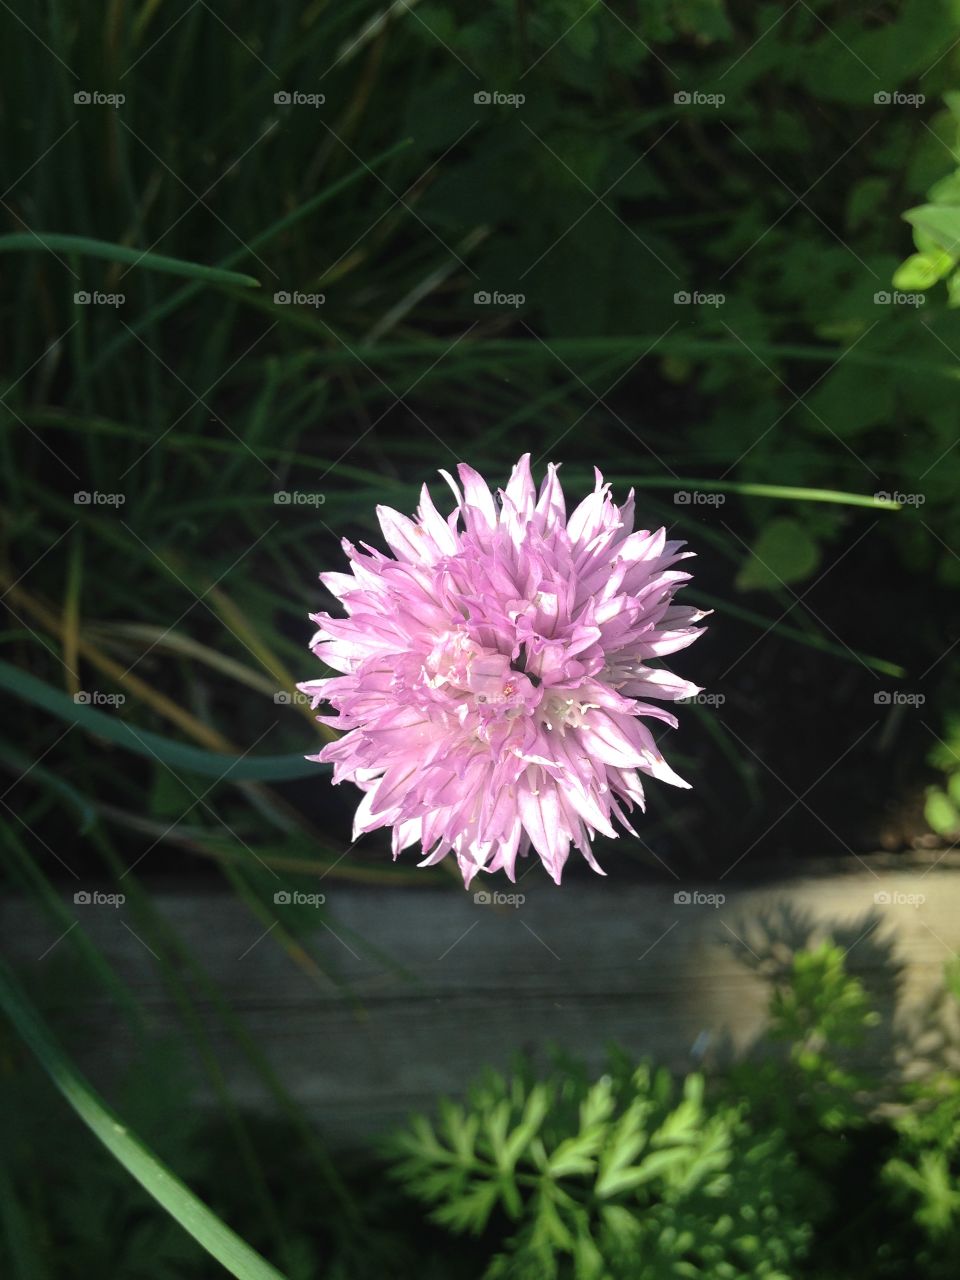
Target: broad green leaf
point(946, 191)
point(940, 812)
point(783, 553)
point(942, 222)
point(922, 270)
point(846, 403)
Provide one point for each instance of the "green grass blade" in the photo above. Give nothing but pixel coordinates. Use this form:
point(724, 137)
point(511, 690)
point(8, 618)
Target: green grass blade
point(52, 241)
point(813, 639)
point(163, 1185)
point(746, 489)
point(168, 941)
point(210, 764)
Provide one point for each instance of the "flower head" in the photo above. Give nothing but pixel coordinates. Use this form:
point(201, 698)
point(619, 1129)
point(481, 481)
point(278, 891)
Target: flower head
point(494, 682)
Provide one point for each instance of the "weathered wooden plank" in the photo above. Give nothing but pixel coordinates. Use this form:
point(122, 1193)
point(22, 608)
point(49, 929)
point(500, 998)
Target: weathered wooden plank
point(579, 966)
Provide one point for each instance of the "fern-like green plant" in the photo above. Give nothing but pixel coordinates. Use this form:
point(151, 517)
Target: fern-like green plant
point(624, 1176)
point(805, 1078)
point(925, 1173)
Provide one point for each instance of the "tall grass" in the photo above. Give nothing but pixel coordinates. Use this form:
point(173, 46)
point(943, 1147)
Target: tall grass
point(150, 434)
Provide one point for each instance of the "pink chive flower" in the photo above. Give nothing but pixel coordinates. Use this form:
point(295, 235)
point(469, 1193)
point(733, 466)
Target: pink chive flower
point(495, 681)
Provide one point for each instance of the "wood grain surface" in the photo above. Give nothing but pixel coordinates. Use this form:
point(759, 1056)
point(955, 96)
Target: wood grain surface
point(430, 985)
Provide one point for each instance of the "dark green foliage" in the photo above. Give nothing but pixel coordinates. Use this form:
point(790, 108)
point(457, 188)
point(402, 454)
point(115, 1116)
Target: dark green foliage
point(925, 1173)
point(199, 400)
point(602, 1180)
point(799, 1161)
point(807, 1084)
point(744, 1176)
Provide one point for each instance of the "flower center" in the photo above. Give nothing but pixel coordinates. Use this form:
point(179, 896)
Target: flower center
point(468, 674)
point(560, 712)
